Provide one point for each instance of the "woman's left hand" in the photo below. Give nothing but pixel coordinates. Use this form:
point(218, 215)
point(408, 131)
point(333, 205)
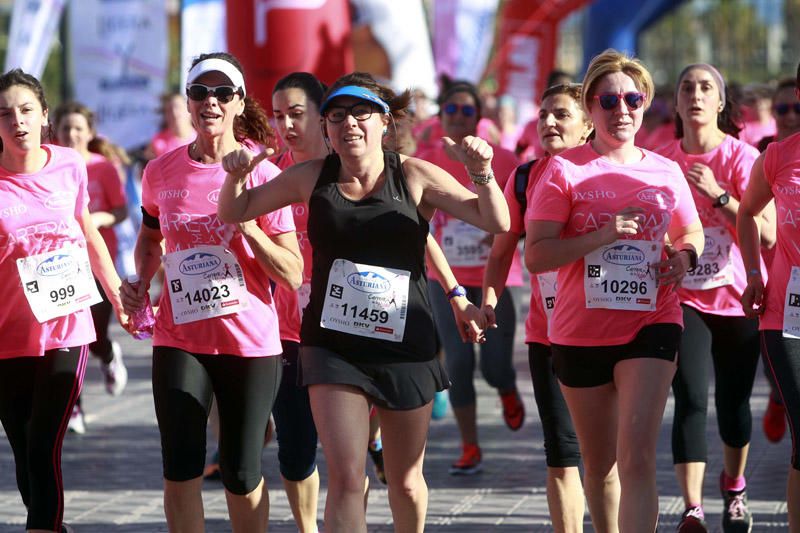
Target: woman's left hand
point(474, 152)
point(702, 178)
point(672, 270)
point(123, 318)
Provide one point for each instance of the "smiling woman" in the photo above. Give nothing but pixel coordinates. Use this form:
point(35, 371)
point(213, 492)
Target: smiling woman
point(615, 329)
point(215, 333)
point(368, 212)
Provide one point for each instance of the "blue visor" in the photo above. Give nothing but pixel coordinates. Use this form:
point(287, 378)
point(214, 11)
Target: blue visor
point(358, 92)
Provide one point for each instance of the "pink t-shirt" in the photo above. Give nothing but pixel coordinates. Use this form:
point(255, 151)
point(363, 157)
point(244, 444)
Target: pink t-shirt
point(503, 165)
point(730, 162)
point(40, 213)
point(753, 131)
point(183, 194)
point(583, 190)
point(105, 193)
point(164, 141)
point(536, 322)
point(782, 171)
point(288, 302)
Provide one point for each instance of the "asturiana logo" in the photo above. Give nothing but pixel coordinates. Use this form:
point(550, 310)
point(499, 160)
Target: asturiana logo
point(59, 200)
point(56, 265)
point(654, 197)
point(623, 254)
point(199, 263)
point(213, 196)
point(368, 282)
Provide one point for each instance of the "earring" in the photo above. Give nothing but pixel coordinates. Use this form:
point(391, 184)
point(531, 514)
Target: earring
point(385, 132)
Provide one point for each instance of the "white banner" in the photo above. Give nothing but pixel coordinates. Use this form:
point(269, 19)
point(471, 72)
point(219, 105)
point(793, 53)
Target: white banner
point(463, 36)
point(119, 65)
point(202, 31)
point(33, 26)
point(402, 31)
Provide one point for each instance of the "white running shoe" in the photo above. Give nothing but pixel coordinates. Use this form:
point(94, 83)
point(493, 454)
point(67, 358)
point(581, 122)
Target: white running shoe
point(76, 422)
point(115, 373)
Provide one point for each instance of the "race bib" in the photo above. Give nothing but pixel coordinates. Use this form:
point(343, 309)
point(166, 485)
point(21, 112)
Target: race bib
point(204, 282)
point(303, 297)
point(464, 245)
point(791, 306)
point(619, 276)
point(366, 300)
point(547, 288)
point(714, 267)
point(58, 283)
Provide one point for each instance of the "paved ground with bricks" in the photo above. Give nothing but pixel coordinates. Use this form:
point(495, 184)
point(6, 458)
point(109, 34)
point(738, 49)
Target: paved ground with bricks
point(112, 474)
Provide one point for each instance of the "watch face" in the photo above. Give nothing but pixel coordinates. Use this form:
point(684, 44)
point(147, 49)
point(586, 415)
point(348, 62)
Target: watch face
point(722, 199)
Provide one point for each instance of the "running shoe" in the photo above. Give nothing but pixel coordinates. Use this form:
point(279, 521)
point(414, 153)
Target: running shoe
point(439, 405)
point(76, 423)
point(469, 463)
point(513, 409)
point(774, 422)
point(114, 372)
point(377, 459)
point(736, 517)
point(693, 520)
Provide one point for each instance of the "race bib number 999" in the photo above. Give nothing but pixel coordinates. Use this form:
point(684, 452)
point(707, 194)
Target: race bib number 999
point(58, 283)
point(366, 300)
point(620, 276)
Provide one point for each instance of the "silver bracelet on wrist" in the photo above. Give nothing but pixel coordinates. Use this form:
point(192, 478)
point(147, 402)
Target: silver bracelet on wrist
point(481, 179)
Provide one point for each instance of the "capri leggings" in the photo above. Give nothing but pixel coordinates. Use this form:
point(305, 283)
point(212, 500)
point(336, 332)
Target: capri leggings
point(245, 390)
point(733, 343)
point(560, 441)
point(782, 359)
point(36, 398)
point(294, 425)
point(101, 315)
point(495, 354)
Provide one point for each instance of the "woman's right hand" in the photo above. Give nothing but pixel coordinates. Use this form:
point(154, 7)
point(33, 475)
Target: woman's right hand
point(753, 296)
point(132, 297)
point(240, 163)
point(629, 221)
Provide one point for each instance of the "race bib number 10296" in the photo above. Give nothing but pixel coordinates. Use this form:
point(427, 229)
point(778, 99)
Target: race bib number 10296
point(620, 276)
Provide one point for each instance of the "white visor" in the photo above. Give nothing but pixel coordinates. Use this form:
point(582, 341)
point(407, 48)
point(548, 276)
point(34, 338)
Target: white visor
point(217, 65)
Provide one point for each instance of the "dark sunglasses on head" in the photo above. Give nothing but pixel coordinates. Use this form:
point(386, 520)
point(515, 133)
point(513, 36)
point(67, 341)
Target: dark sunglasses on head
point(609, 101)
point(783, 109)
point(466, 110)
point(199, 92)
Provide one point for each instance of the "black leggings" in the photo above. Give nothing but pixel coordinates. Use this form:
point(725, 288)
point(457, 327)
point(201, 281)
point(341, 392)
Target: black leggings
point(294, 425)
point(101, 315)
point(782, 359)
point(733, 343)
point(245, 389)
point(36, 398)
point(560, 442)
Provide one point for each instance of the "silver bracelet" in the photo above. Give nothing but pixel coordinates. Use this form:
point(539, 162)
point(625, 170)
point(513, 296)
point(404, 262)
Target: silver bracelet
point(481, 179)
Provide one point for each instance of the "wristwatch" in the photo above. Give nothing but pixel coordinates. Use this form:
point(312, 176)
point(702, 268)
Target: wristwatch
point(692, 256)
point(456, 291)
point(722, 200)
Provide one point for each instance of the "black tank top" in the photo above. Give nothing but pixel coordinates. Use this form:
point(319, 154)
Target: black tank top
point(384, 229)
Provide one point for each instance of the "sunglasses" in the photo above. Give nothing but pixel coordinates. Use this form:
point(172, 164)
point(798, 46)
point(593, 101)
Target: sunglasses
point(609, 101)
point(199, 92)
point(783, 109)
point(466, 110)
point(360, 112)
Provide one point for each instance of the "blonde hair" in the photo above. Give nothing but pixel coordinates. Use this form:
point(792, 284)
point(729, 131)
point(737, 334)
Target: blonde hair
point(610, 62)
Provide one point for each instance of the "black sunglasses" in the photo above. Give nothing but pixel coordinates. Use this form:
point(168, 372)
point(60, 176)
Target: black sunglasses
point(466, 110)
point(608, 101)
point(199, 92)
point(360, 112)
point(783, 109)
